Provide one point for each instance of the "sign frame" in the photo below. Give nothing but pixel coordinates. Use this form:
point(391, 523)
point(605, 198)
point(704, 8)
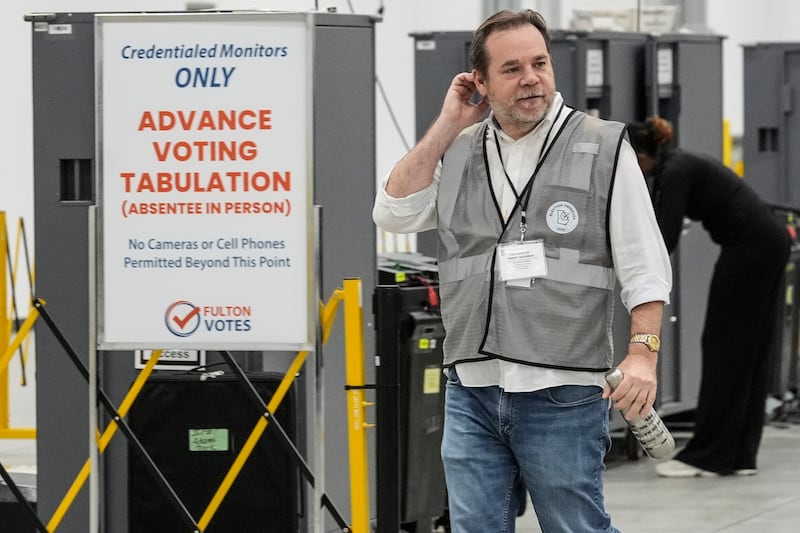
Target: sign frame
point(120, 299)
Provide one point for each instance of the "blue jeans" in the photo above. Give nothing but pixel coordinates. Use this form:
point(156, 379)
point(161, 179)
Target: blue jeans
point(553, 442)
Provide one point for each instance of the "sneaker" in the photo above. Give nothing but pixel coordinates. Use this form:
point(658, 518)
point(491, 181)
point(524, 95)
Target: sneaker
point(745, 472)
point(675, 468)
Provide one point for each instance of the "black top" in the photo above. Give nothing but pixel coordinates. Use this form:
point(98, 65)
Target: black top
point(693, 185)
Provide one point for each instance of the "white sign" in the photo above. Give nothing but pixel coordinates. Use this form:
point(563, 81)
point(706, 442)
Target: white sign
point(204, 181)
point(594, 67)
point(664, 66)
point(171, 359)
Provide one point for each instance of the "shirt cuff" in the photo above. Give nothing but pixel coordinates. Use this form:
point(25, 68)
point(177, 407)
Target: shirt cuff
point(651, 289)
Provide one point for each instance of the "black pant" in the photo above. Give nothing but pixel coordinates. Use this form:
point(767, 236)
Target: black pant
point(736, 345)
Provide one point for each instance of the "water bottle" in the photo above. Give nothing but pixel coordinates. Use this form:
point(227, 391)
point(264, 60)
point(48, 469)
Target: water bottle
point(650, 431)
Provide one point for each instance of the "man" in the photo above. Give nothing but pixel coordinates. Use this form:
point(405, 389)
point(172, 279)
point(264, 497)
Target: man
point(537, 208)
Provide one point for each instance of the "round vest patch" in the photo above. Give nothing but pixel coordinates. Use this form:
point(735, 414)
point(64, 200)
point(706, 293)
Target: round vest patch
point(562, 217)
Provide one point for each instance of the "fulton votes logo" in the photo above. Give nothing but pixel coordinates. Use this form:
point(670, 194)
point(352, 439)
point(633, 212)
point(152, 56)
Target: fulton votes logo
point(562, 217)
point(183, 318)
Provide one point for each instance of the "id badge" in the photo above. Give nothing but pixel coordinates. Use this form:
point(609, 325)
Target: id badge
point(521, 260)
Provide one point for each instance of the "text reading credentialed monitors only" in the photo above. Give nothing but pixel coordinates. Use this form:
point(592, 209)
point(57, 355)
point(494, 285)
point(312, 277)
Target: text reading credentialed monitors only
point(204, 181)
point(196, 50)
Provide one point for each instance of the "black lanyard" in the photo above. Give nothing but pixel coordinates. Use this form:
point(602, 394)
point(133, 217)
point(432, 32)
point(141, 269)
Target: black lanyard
point(523, 198)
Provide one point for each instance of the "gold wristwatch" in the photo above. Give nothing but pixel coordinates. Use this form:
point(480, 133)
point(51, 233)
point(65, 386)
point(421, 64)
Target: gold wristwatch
point(652, 342)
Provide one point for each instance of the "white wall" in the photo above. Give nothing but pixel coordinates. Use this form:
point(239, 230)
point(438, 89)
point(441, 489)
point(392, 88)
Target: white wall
point(739, 20)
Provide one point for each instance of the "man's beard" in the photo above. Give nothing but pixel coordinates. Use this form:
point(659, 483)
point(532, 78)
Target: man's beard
point(521, 118)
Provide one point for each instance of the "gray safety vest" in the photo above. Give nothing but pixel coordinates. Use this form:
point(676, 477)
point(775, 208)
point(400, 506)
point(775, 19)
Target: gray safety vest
point(564, 320)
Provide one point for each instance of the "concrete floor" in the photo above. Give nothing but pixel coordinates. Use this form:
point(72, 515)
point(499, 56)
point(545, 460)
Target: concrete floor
point(639, 501)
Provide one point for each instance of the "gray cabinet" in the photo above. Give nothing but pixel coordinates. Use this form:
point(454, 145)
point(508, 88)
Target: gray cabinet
point(685, 87)
point(772, 127)
point(64, 159)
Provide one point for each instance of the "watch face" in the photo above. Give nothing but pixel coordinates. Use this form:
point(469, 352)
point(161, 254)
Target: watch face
point(653, 343)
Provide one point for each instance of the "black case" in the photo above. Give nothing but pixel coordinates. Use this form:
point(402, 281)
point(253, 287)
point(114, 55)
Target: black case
point(263, 498)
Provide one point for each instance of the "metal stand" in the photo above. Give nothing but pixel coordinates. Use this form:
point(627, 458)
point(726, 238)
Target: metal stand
point(103, 398)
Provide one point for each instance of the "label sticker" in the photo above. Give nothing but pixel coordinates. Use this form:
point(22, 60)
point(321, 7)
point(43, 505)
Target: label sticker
point(562, 217)
point(432, 380)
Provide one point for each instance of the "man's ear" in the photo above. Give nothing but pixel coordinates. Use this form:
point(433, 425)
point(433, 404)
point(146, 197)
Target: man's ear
point(480, 82)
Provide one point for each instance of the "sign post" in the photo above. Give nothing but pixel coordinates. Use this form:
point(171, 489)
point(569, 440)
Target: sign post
point(205, 230)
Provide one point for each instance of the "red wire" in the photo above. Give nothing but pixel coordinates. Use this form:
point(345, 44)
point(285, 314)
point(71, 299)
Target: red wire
point(433, 297)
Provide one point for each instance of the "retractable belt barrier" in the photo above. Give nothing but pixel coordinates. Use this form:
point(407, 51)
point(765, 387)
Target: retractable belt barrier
point(351, 296)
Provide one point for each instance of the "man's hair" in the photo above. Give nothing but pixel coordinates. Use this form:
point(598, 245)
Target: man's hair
point(500, 21)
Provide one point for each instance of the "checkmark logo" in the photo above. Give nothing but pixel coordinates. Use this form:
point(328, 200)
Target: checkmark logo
point(183, 321)
point(182, 318)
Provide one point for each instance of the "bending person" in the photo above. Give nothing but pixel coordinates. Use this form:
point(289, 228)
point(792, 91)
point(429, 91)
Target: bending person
point(742, 297)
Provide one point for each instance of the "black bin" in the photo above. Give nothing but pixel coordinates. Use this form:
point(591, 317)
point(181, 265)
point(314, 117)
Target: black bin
point(193, 428)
